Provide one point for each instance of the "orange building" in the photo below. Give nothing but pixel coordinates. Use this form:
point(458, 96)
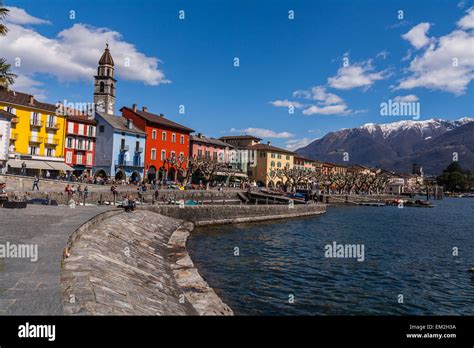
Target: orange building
point(165, 140)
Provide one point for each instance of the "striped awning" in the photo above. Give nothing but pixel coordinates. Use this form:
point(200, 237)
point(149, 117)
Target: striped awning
point(38, 164)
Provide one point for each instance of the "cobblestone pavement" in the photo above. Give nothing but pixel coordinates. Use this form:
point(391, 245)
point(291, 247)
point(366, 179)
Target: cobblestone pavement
point(121, 266)
point(33, 288)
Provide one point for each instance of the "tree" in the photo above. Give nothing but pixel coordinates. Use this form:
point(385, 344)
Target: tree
point(454, 178)
point(6, 77)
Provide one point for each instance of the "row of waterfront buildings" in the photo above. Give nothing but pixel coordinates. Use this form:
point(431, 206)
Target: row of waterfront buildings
point(38, 138)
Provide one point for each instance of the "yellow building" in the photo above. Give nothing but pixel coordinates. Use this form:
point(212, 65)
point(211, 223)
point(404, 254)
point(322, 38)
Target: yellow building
point(37, 135)
point(267, 160)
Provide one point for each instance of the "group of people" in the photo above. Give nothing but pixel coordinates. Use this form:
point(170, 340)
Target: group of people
point(71, 190)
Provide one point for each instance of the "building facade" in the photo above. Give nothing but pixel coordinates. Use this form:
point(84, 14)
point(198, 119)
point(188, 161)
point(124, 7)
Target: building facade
point(37, 134)
point(166, 141)
point(241, 158)
point(268, 160)
point(119, 148)
point(211, 148)
point(79, 146)
point(5, 125)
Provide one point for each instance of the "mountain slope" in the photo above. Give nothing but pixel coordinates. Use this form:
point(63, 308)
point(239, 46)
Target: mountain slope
point(397, 145)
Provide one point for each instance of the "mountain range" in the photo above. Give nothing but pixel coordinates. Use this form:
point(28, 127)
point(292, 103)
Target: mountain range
point(433, 144)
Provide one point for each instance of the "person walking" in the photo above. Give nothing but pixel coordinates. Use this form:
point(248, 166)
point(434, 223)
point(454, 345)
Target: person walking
point(48, 174)
point(79, 192)
point(86, 193)
point(113, 188)
point(35, 183)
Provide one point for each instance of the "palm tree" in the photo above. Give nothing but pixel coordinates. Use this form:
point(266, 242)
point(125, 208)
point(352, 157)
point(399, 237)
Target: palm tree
point(6, 77)
point(3, 14)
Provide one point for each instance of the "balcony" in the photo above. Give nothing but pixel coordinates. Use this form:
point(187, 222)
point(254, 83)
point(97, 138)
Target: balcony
point(138, 149)
point(52, 125)
point(52, 141)
point(129, 164)
point(124, 148)
point(36, 123)
point(36, 140)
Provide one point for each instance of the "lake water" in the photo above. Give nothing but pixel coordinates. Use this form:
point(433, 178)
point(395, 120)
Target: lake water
point(282, 269)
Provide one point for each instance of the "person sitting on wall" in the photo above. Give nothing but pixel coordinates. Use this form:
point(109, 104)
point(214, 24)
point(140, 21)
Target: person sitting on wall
point(128, 204)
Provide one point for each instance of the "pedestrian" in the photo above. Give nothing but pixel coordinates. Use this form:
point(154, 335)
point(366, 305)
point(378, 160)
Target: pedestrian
point(48, 174)
point(79, 191)
point(23, 168)
point(36, 182)
point(86, 193)
point(114, 191)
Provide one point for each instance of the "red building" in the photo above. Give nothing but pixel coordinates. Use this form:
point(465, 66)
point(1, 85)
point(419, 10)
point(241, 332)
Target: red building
point(165, 140)
point(79, 147)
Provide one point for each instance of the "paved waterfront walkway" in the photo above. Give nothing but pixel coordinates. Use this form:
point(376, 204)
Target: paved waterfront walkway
point(33, 288)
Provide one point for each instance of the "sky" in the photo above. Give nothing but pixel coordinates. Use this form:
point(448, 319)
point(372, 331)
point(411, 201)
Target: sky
point(288, 71)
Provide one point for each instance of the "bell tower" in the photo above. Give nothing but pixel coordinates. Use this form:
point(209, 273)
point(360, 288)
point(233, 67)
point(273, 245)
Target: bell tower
point(104, 84)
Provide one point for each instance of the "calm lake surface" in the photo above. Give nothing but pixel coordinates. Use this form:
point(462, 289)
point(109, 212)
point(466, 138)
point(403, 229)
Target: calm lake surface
point(408, 251)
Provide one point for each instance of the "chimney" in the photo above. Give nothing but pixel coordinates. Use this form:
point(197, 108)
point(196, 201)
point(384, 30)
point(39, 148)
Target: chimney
point(161, 115)
point(144, 108)
point(31, 100)
point(199, 135)
point(269, 142)
point(134, 107)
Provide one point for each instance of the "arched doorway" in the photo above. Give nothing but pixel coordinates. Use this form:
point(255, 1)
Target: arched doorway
point(151, 174)
point(120, 175)
point(100, 174)
point(135, 177)
point(172, 174)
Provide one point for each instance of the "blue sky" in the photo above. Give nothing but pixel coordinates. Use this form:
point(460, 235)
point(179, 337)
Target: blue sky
point(299, 62)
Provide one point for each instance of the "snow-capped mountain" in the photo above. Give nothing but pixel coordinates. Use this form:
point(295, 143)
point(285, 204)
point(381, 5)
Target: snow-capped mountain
point(397, 145)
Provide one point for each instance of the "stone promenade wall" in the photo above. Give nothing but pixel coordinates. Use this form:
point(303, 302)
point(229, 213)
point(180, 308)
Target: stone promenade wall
point(224, 214)
point(134, 264)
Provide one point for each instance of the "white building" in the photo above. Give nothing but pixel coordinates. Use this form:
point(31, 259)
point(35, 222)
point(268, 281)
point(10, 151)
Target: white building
point(5, 125)
point(395, 186)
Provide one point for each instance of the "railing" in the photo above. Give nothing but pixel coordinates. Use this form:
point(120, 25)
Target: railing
point(125, 148)
point(128, 164)
point(52, 125)
point(36, 139)
point(139, 149)
point(36, 123)
point(53, 141)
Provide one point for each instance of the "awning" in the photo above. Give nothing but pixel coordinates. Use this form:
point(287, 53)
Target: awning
point(44, 165)
point(30, 164)
point(60, 166)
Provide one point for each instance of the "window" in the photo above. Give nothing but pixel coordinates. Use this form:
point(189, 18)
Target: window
point(279, 156)
point(208, 154)
point(214, 156)
point(173, 154)
point(89, 145)
point(181, 155)
point(272, 164)
point(49, 152)
point(279, 165)
point(273, 155)
point(81, 129)
point(80, 144)
point(163, 136)
point(153, 134)
point(163, 155)
point(122, 144)
point(288, 157)
point(101, 129)
point(69, 157)
point(102, 87)
point(181, 139)
point(173, 138)
point(287, 166)
point(91, 131)
point(200, 153)
point(153, 154)
point(33, 150)
point(69, 143)
point(79, 158)
point(89, 159)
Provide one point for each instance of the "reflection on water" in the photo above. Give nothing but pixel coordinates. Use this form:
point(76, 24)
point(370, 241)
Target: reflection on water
point(407, 251)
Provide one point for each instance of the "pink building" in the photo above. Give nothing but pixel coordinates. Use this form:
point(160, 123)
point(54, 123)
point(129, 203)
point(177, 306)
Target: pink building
point(210, 148)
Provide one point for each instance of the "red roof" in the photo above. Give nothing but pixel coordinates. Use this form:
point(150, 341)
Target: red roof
point(159, 120)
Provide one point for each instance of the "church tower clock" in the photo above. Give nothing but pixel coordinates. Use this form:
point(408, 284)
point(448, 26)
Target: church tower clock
point(104, 85)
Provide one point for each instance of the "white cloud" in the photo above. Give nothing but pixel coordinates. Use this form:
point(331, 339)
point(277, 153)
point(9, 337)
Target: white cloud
point(467, 22)
point(417, 35)
point(446, 64)
point(340, 109)
point(20, 16)
point(406, 98)
point(355, 76)
point(262, 133)
point(382, 54)
point(287, 103)
point(74, 53)
point(28, 85)
point(295, 144)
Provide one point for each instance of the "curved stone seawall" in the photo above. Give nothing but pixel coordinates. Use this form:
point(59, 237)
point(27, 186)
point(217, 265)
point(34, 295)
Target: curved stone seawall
point(225, 214)
point(134, 264)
